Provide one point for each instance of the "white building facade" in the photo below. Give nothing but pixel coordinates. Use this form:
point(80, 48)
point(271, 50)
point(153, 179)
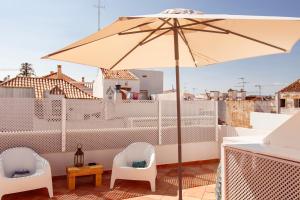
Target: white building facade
point(142, 82)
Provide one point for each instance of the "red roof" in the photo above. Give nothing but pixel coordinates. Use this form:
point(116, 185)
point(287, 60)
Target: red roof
point(118, 74)
point(54, 75)
point(41, 85)
point(294, 87)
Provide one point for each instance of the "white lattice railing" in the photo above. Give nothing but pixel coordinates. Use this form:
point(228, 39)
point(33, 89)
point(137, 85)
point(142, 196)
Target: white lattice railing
point(251, 176)
point(55, 124)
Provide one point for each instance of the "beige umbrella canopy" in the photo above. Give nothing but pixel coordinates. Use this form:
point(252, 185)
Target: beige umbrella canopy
point(181, 37)
point(148, 41)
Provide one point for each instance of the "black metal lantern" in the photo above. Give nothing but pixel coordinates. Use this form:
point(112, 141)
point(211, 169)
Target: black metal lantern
point(79, 157)
point(118, 87)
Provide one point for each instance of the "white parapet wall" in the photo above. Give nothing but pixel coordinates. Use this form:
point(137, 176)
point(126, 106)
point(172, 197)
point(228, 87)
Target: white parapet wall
point(286, 135)
point(267, 121)
point(166, 154)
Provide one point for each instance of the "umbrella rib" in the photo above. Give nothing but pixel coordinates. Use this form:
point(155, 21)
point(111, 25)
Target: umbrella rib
point(143, 31)
point(57, 52)
point(167, 28)
point(138, 26)
point(132, 32)
point(202, 55)
point(197, 22)
point(157, 36)
point(241, 35)
point(203, 30)
point(161, 34)
point(162, 19)
point(181, 33)
point(136, 46)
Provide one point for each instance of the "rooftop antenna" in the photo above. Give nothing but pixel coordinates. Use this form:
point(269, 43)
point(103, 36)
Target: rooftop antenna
point(207, 94)
point(243, 82)
point(194, 90)
point(259, 89)
point(99, 6)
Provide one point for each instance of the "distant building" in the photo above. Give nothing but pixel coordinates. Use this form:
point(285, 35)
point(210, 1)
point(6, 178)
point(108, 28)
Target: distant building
point(288, 98)
point(171, 95)
point(107, 80)
point(32, 87)
point(214, 95)
point(259, 98)
point(133, 84)
point(151, 82)
point(201, 96)
point(236, 95)
point(85, 86)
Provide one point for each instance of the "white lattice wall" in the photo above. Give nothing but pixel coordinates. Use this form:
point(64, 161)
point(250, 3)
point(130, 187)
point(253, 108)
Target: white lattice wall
point(198, 121)
point(251, 176)
point(42, 142)
point(55, 124)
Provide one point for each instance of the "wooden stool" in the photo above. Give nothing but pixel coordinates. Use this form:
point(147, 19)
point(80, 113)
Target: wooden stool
point(73, 172)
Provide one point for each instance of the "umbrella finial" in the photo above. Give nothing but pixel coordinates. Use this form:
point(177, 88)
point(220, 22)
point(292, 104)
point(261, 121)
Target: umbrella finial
point(181, 11)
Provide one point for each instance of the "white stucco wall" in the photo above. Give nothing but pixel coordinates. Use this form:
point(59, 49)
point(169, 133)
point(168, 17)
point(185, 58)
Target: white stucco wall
point(150, 80)
point(133, 84)
point(267, 121)
point(287, 135)
point(167, 96)
point(101, 85)
point(98, 85)
point(165, 154)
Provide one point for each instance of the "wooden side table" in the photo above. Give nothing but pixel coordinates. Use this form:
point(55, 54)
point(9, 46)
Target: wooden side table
point(73, 172)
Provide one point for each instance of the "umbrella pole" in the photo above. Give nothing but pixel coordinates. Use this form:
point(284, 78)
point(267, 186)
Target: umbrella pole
point(179, 132)
point(176, 51)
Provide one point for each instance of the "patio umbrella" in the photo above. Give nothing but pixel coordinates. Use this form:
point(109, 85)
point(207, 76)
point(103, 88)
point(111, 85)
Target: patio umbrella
point(184, 38)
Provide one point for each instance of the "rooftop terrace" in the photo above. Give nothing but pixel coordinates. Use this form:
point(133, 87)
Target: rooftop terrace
point(198, 182)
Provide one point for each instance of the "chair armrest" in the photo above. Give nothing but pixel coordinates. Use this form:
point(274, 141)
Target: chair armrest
point(41, 163)
point(2, 174)
point(152, 161)
point(120, 160)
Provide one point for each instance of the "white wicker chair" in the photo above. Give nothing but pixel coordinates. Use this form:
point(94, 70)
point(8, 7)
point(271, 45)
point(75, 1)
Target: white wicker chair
point(122, 164)
point(21, 158)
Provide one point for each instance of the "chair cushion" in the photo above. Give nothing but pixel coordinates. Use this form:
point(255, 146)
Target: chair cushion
point(139, 164)
point(17, 159)
point(20, 173)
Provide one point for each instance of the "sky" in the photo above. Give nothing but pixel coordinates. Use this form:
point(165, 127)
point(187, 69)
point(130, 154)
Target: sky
point(31, 29)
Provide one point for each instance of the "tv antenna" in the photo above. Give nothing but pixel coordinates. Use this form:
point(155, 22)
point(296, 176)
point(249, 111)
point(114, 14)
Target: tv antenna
point(243, 83)
point(99, 6)
point(259, 89)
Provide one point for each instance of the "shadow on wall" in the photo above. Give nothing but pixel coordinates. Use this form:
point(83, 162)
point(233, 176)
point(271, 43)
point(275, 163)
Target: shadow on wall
point(287, 135)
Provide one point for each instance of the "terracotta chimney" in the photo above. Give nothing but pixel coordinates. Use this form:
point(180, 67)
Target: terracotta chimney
point(59, 72)
point(82, 79)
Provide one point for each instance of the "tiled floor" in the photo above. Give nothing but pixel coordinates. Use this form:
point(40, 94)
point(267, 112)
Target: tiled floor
point(198, 182)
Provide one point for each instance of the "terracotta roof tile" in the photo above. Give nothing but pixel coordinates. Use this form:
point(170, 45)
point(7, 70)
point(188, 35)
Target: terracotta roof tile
point(118, 74)
point(54, 75)
point(41, 85)
point(294, 87)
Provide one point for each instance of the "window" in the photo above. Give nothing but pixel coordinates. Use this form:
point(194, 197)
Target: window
point(282, 103)
point(297, 103)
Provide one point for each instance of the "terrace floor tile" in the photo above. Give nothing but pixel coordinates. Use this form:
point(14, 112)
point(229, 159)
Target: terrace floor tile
point(198, 183)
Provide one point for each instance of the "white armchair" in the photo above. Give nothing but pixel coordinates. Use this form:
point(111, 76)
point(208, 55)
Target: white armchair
point(22, 158)
point(122, 164)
